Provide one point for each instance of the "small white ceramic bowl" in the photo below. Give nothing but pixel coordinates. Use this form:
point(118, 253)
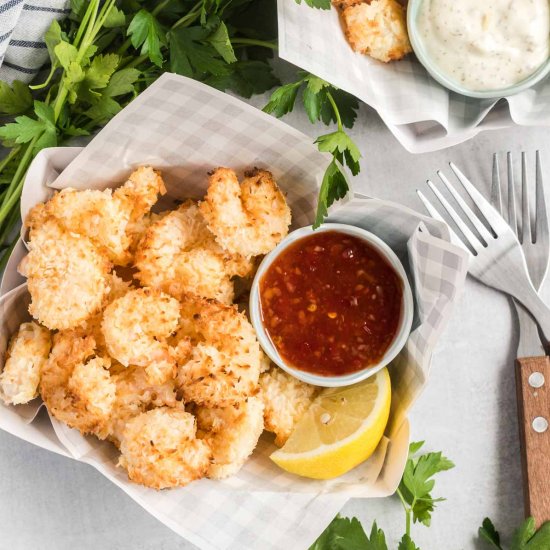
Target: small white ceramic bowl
point(403, 329)
point(424, 58)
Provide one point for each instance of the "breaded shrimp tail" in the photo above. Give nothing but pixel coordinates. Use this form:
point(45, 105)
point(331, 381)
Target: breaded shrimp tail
point(224, 364)
point(249, 218)
point(159, 449)
point(28, 351)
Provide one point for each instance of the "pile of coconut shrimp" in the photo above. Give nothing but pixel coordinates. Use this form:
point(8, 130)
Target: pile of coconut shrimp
point(136, 337)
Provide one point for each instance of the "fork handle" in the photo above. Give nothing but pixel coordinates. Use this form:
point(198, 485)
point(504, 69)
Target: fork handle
point(533, 392)
point(537, 308)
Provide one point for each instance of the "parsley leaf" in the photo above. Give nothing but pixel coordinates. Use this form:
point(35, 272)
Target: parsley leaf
point(488, 532)
point(191, 55)
point(417, 483)
point(342, 147)
point(246, 78)
point(14, 100)
point(146, 32)
point(334, 186)
point(342, 534)
point(526, 536)
point(377, 539)
point(121, 82)
point(347, 104)
point(24, 129)
point(282, 99)
point(406, 543)
point(319, 4)
point(222, 44)
point(115, 18)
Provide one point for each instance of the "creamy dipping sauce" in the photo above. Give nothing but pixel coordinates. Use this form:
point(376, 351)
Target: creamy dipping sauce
point(485, 44)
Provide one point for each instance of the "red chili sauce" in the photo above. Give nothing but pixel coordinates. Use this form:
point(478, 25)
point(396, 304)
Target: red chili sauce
point(331, 304)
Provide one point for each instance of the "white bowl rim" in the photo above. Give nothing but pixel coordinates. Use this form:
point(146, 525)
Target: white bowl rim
point(450, 84)
point(405, 323)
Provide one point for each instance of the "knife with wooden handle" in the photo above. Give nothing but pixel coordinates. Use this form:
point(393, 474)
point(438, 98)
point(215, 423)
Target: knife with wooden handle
point(533, 396)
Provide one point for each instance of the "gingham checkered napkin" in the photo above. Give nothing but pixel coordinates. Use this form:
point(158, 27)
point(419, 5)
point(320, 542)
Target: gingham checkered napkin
point(422, 114)
point(22, 28)
point(186, 129)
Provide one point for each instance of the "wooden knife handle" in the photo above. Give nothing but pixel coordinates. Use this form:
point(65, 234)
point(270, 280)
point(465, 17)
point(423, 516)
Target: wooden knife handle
point(533, 392)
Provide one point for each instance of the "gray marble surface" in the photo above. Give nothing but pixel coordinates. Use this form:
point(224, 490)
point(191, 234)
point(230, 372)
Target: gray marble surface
point(468, 409)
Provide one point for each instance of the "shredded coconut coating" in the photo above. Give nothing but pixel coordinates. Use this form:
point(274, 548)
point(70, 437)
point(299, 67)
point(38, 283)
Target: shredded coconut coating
point(76, 386)
point(232, 434)
point(110, 220)
point(224, 363)
point(141, 191)
point(136, 328)
point(249, 218)
point(27, 352)
point(285, 399)
point(179, 254)
point(135, 394)
point(378, 29)
point(159, 449)
point(67, 277)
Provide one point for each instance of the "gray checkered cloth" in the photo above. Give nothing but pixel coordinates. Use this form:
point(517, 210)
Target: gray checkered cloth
point(421, 114)
point(22, 28)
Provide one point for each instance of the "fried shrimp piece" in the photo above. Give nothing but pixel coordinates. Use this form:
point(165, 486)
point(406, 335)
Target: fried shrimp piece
point(160, 449)
point(249, 218)
point(27, 352)
point(141, 191)
point(135, 394)
point(67, 276)
point(136, 328)
point(378, 29)
point(223, 366)
point(232, 434)
point(285, 400)
point(76, 385)
point(179, 254)
point(108, 219)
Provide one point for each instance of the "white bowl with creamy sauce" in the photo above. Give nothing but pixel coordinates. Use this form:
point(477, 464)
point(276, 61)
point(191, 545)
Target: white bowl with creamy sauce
point(482, 48)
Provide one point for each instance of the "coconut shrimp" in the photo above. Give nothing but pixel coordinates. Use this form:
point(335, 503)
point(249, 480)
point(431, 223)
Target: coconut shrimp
point(66, 274)
point(27, 352)
point(285, 401)
point(223, 366)
point(136, 328)
point(110, 220)
point(134, 394)
point(232, 434)
point(249, 218)
point(160, 449)
point(76, 385)
point(179, 254)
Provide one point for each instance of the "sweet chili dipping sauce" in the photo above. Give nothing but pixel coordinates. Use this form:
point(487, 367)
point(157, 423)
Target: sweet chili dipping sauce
point(331, 304)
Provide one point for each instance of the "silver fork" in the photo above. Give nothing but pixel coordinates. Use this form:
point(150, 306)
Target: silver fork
point(532, 365)
point(535, 244)
point(496, 257)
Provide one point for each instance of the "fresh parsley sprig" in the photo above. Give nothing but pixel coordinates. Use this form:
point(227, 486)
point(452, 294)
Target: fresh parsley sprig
point(525, 537)
point(107, 52)
point(414, 491)
point(326, 103)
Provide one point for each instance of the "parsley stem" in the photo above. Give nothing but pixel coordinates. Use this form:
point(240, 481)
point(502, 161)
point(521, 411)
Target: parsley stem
point(336, 111)
point(7, 254)
point(160, 6)
point(11, 220)
point(6, 160)
point(193, 15)
point(253, 42)
point(103, 14)
point(407, 511)
point(92, 6)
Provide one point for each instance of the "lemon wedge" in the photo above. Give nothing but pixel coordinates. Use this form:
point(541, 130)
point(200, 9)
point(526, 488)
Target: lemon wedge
point(341, 429)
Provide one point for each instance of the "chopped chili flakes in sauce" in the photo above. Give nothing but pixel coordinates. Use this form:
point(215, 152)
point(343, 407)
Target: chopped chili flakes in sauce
point(331, 304)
